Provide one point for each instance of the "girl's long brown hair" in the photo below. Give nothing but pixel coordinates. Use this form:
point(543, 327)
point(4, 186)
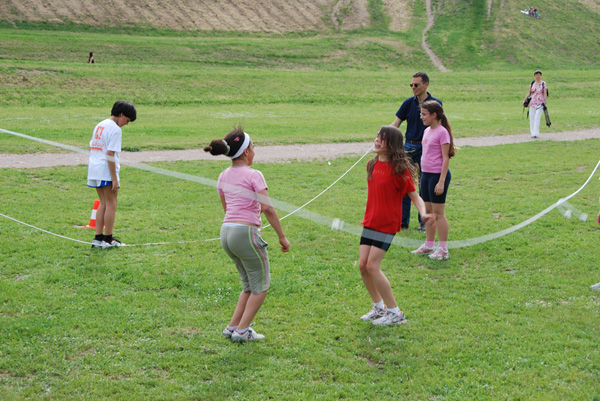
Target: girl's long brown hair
point(434, 107)
point(395, 153)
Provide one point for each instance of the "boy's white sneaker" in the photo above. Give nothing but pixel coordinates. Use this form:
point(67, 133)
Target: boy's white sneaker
point(423, 250)
point(440, 254)
point(113, 243)
point(249, 335)
point(97, 243)
point(373, 314)
point(390, 318)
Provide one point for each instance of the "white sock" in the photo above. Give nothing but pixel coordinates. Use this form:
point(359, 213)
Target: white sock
point(379, 304)
point(231, 328)
point(395, 310)
point(243, 331)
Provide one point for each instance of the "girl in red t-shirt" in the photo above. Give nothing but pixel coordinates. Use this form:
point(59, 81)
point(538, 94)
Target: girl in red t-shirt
point(389, 180)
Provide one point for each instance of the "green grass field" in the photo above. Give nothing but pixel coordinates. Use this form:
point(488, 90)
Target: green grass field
point(509, 319)
point(189, 90)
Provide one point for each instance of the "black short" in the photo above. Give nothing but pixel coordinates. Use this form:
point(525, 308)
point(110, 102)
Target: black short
point(428, 183)
point(376, 238)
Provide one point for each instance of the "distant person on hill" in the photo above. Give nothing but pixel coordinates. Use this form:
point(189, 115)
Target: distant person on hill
point(535, 13)
point(530, 11)
point(103, 170)
point(539, 98)
point(91, 58)
point(410, 111)
point(244, 197)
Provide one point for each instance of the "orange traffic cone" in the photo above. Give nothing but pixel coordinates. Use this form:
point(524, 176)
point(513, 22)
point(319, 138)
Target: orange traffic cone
point(93, 216)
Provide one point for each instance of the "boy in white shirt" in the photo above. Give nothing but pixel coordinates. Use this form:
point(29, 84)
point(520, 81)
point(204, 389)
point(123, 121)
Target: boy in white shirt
point(103, 170)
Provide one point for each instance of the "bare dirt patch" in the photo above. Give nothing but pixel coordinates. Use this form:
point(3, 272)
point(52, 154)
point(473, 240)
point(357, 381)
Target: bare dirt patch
point(224, 15)
point(593, 5)
point(350, 14)
point(35, 72)
point(400, 12)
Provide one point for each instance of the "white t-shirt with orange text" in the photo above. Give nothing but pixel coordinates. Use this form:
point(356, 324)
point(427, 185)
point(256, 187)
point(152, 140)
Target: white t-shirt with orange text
point(106, 136)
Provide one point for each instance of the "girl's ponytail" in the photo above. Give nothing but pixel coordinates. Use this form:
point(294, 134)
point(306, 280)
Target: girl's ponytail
point(446, 124)
point(227, 146)
point(217, 147)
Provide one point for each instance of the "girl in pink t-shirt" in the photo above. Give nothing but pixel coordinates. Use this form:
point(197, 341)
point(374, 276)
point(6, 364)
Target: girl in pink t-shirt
point(244, 196)
point(438, 148)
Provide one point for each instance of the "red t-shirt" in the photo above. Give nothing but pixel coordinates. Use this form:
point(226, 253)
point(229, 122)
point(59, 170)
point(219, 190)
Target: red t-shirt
point(384, 199)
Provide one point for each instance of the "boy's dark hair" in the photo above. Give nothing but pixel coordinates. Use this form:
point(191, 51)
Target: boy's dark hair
point(423, 76)
point(125, 108)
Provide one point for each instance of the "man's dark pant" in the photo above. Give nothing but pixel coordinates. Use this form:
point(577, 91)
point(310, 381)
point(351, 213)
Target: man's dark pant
point(414, 152)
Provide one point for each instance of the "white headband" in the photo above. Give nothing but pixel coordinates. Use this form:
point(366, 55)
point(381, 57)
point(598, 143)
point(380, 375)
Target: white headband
point(244, 146)
point(228, 148)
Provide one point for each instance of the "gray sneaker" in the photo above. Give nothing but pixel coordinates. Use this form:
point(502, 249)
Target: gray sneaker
point(374, 314)
point(595, 287)
point(390, 318)
point(250, 335)
point(227, 333)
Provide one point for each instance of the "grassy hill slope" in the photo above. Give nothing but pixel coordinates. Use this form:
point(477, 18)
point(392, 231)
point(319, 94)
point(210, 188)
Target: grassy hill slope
point(466, 33)
point(566, 35)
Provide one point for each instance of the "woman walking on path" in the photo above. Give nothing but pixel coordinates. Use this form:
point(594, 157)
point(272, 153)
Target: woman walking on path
point(539, 98)
point(389, 180)
point(244, 196)
point(438, 148)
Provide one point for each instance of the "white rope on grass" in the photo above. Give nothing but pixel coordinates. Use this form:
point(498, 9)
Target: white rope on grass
point(205, 181)
point(326, 189)
point(89, 243)
point(335, 224)
point(281, 205)
point(44, 231)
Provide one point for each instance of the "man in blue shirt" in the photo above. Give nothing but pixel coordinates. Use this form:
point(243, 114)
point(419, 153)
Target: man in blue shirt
point(410, 111)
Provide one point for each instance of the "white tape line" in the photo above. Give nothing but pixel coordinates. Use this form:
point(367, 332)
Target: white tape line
point(89, 243)
point(45, 231)
point(351, 229)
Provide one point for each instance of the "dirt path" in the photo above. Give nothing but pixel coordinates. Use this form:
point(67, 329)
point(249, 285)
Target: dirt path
point(434, 58)
point(273, 154)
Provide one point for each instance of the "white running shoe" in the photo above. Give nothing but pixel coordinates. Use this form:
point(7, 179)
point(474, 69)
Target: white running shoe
point(423, 250)
point(374, 314)
point(227, 333)
point(97, 243)
point(250, 335)
point(390, 318)
point(114, 242)
point(440, 254)
point(595, 287)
